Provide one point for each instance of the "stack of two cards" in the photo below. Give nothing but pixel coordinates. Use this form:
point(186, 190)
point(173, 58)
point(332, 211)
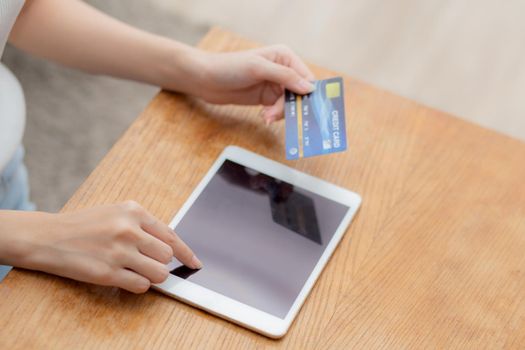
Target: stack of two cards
point(315, 123)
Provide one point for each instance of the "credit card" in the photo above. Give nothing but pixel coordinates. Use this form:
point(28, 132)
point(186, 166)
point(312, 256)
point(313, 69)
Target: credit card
point(315, 123)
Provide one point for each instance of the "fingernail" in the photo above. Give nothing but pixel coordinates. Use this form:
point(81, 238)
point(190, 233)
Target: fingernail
point(196, 263)
point(306, 85)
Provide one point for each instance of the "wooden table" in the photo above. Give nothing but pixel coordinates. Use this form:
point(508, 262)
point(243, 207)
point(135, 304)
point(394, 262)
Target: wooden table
point(434, 259)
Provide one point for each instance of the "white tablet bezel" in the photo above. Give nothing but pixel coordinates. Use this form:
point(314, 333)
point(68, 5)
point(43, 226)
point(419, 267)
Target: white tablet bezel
point(233, 310)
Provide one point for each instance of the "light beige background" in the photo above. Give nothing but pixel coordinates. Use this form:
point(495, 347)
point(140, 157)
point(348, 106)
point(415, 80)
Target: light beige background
point(464, 57)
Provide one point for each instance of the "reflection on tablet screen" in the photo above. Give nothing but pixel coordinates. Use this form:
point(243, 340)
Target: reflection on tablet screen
point(289, 208)
point(258, 237)
point(297, 213)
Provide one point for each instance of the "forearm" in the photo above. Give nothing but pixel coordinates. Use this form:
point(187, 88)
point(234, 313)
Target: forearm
point(77, 35)
point(74, 34)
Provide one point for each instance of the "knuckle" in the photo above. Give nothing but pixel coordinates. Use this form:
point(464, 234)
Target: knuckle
point(172, 242)
point(122, 225)
point(125, 230)
point(104, 276)
point(139, 288)
point(132, 207)
point(160, 276)
point(164, 274)
point(163, 253)
point(168, 255)
point(118, 255)
point(151, 220)
point(282, 48)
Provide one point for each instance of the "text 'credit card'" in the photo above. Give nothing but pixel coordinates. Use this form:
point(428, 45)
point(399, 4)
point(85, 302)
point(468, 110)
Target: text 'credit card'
point(315, 123)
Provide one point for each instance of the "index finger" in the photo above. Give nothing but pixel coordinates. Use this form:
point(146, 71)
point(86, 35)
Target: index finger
point(286, 56)
point(181, 251)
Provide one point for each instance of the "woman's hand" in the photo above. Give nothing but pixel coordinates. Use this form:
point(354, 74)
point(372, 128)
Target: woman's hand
point(118, 245)
point(250, 77)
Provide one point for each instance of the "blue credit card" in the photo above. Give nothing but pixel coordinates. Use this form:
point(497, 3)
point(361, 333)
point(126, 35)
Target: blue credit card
point(315, 123)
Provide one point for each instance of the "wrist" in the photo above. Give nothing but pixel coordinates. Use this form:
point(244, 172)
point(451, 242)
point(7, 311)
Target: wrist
point(184, 68)
point(21, 235)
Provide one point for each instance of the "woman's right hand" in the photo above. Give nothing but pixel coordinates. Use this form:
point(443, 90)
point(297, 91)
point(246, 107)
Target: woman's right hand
point(118, 245)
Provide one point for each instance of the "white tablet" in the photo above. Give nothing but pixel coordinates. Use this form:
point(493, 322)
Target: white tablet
point(263, 232)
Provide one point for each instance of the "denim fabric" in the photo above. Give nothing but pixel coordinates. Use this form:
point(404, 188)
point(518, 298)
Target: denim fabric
point(14, 186)
point(14, 190)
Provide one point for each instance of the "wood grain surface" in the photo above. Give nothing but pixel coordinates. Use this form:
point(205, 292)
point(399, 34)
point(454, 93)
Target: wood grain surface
point(434, 259)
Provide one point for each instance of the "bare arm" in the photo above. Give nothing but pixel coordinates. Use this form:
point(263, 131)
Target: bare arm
point(75, 34)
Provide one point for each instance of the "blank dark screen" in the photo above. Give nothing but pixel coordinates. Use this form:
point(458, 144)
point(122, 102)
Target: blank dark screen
point(259, 238)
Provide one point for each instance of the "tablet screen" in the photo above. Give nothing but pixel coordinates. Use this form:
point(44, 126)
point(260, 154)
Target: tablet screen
point(259, 238)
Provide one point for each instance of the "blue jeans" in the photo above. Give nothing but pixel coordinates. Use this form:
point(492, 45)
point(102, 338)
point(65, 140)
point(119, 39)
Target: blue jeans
point(14, 190)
